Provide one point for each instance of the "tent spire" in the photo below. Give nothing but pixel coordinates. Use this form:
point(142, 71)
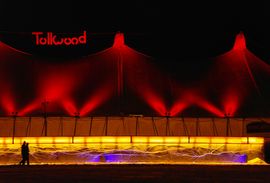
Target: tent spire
point(240, 42)
point(119, 40)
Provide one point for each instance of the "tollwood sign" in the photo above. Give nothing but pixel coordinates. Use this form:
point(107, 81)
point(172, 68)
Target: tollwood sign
point(50, 38)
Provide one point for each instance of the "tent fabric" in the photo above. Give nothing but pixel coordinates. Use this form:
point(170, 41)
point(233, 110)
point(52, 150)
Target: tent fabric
point(126, 126)
point(120, 80)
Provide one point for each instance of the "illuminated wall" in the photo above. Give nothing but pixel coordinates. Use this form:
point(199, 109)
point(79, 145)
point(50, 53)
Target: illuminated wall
point(133, 150)
point(125, 126)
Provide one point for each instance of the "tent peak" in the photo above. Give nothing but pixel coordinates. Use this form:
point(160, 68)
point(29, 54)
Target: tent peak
point(119, 39)
point(240, 42)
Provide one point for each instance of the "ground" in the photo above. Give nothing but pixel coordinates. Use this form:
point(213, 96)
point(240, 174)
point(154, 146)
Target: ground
point(135, 173)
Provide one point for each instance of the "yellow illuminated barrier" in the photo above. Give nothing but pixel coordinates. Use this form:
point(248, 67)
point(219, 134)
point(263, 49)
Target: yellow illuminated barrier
point(133, 139)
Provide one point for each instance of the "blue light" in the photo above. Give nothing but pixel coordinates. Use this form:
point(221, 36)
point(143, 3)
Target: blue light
point(242, 158)
point(113, 157)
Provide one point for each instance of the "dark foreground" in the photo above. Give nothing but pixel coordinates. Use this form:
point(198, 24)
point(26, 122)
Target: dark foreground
point(135, 173)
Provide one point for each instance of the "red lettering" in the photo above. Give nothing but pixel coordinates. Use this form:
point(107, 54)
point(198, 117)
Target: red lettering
point(67, 41)
point(43, 41)
point(75, 41)
point(49, 38)
point(37, 36)
point(52, 39)
point(57, 42)
point(82, 39)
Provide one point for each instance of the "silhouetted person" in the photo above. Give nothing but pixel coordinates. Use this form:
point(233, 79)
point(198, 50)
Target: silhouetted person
point(22, 162)
point(25, 153)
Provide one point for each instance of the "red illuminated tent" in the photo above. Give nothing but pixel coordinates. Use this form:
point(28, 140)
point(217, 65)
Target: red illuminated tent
point(120, 80)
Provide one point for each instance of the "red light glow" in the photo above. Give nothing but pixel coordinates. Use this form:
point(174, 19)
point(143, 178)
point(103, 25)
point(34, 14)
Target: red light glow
point(209, 107)
point(119, 40)
point(7, 102)
point(30, 107)
point(56, 85)
point(178, 107)
point(231, 104)
point(193, 98)
point(155, 102)
point(69, 106)
point(240, 42)
point(235, 78)
point(98, 98)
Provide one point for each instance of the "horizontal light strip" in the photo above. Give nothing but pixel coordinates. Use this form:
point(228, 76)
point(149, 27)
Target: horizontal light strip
point(133, 139)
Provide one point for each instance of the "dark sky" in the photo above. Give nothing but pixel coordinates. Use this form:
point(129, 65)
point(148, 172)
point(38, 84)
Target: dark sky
point(174, 30)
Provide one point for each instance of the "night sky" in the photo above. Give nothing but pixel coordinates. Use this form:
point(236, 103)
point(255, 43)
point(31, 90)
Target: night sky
point(175, 30)
point(176, 34)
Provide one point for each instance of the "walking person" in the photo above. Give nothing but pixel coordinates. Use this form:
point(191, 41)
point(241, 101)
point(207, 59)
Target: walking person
point(25, 153)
